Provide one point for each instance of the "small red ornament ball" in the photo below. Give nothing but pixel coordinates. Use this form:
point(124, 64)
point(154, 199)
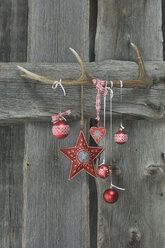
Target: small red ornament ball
point(111, 196)
point(61, 129)
point(121, 137)
point(103, 171)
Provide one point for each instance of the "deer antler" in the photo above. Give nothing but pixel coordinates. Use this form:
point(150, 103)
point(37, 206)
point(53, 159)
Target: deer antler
point(143, 80)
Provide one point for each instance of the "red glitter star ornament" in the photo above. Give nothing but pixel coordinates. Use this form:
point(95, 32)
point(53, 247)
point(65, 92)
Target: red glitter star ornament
point(82, 156)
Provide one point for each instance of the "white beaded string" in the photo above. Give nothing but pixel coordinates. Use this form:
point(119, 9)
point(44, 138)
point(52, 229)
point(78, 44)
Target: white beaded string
point(55, 85)
point(121, 100)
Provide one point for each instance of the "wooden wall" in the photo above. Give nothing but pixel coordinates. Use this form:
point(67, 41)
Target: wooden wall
point(39, 207)
point(136, 220)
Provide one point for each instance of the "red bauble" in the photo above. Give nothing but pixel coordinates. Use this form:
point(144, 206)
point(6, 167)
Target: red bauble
point(103, 171)
point(121, 137)
point(111, 196)
point(61, 129)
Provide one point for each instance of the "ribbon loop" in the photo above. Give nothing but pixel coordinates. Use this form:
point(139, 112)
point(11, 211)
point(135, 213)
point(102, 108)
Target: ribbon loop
point(99, 86)
point(55, 118)
point(55, 85)
point(114, 186)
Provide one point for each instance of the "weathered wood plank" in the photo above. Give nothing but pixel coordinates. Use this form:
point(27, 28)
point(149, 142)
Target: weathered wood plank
point(55, 209)
point(54, 26)
point(13, 38)
point(134, 220)
point(11, 160)
point(121, 21)
point(24, 99)
point(137, 218)
point(12, 48)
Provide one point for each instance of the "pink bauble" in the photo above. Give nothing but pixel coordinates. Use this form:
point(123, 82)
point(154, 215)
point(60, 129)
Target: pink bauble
point(103, 171)
point(110, 196)
point(61, 129)
point(121, 137)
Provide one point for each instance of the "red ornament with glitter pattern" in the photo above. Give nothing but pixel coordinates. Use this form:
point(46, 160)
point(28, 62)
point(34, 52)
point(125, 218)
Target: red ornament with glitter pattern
point(121, 137)
point(61, 129)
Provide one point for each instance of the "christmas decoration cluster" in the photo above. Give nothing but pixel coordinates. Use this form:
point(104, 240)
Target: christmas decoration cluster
point(82, 156)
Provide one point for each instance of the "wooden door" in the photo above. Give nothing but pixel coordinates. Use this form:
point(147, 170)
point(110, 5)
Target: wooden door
point(39, 207)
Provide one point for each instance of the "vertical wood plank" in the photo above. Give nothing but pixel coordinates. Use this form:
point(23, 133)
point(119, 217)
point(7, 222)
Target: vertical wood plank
point(11, 160)
point(55, 210)
point(13, 41)
point(54, 26)
point(121, 21)
point(13, 31)
point(135, 219)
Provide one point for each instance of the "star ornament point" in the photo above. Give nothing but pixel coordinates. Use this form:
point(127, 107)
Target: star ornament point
point(82, 156)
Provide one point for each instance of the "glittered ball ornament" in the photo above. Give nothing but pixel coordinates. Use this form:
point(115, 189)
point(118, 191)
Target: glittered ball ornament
point(103, 171)
point(110, 196)
point(61, 129)
point(121, 137)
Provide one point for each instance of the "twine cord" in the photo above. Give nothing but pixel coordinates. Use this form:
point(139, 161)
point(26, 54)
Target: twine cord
point(82, 108)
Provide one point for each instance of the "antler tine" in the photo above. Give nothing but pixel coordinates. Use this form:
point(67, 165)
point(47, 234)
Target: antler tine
point(85, 74)
point(142, 72)
point(31, 75)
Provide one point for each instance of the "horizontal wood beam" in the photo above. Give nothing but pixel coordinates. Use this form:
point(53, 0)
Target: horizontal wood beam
point(24, 99)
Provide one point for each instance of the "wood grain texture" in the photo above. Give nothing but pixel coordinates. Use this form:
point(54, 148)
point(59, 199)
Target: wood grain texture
point(137, 218)
point(55, 209)
point(13, 40)
point(11, 160)
point(122, 21)
point(13, 31)
point(54, 26)
point(22, 99)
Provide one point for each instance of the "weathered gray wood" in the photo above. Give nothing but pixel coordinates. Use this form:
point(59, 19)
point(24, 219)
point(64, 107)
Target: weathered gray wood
point(13, 15)
point(11, 159)
point(54, 26)
point(55, 209)
point(22, 99)
point(137, 218)
point(121, 21)
point(13, 38)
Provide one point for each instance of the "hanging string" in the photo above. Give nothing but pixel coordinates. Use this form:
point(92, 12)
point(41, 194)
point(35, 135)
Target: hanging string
point(111, 131)
point(121, 100)
point(54, 87)
point(82, 108)
point(111, 138)
point(104, 121)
